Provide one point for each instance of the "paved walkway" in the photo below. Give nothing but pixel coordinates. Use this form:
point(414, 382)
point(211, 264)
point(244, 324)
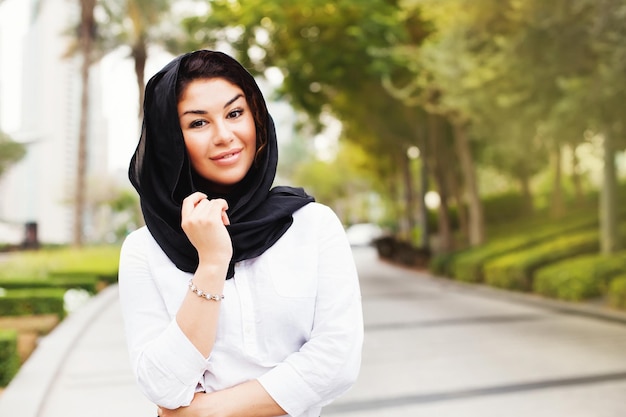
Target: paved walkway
point(433, 348)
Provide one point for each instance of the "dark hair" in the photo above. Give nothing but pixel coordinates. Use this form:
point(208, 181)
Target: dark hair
point(206, 64)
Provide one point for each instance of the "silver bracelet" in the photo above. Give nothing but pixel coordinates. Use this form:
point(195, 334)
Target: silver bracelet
point(205, 295)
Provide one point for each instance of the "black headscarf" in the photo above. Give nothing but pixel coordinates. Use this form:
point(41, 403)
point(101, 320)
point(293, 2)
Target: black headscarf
point(161, 173)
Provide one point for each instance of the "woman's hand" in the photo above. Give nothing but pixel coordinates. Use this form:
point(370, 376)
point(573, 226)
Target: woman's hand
point(204, 222)
point(245, 400)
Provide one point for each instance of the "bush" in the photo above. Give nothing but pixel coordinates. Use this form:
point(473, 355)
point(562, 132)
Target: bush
point(515, 270)
point(617, 292)
point(22, 302)
point(85, 282)
point(101, 261)
point(579, 279)
point(469, 266)
point(9, 357)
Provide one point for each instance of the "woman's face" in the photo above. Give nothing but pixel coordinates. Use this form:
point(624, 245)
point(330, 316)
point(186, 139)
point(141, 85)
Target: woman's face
point(219, 131)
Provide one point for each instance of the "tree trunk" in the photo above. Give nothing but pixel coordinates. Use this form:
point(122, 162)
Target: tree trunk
point(576, 177)
point(609, 237)
point(476, 224)
point(557, 207)
point(409, 198)
point(526, 194)
point(457, 195)
point(140, 56)
point(437, 168)
point(87, 32)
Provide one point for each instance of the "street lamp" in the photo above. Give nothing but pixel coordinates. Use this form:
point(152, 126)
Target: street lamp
point(413, 153)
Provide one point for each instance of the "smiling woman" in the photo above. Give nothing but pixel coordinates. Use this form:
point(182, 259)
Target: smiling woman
point(238, 298)
point(218, 130)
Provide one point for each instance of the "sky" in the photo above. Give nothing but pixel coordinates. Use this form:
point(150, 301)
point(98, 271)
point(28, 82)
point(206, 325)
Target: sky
point(13, 23)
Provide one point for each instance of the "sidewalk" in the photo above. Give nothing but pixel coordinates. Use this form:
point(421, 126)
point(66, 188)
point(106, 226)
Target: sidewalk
point(432, 346)
point(80, 369)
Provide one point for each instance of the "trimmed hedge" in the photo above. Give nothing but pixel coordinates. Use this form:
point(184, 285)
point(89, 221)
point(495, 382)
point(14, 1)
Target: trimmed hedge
point(617, 292)
point(21, 302)
point(581, 278)
point(469, 265)
point(9, 357)
point(85, 282)
point(515, 270)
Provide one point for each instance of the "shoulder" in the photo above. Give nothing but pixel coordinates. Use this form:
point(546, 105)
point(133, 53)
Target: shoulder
point(314, 211)
point(137, 237)
point(316, 219)
point(139, 240)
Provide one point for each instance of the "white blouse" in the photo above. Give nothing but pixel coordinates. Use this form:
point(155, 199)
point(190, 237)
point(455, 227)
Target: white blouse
point(291, 318)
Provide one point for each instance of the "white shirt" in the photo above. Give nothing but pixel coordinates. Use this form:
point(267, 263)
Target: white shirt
point(291, 318)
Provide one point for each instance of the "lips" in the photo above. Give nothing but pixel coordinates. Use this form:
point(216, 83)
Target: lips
point(226, 156)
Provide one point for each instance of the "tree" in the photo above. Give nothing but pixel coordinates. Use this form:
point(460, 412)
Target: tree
point(326, 53)
point(86, 38)
point(10, 152)
point(137, 24)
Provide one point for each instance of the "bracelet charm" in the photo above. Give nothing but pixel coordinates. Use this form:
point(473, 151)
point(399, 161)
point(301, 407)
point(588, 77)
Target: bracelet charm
point(203, 294)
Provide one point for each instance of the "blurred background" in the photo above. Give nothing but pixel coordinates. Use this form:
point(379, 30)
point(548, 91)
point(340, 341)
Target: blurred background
point(482, 139)
point(444, 124)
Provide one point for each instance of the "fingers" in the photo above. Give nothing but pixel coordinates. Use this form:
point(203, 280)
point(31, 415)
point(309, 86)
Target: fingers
point(191, 201)
point(199, 202)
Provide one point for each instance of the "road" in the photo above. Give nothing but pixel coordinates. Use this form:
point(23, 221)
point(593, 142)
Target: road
point(435, 348)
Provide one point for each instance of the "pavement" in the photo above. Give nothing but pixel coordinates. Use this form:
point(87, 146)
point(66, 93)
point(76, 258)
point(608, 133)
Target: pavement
point(433, 347)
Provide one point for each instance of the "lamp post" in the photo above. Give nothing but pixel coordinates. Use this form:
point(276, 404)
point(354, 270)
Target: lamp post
point(413, 153)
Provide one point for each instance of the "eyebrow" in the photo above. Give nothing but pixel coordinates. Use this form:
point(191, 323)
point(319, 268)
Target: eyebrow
point(228, 103)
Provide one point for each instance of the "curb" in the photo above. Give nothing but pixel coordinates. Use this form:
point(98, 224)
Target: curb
point(585, 309)
point(28, 390)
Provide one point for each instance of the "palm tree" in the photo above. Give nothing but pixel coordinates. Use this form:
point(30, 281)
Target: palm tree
point(137, 24)
point(86, 39)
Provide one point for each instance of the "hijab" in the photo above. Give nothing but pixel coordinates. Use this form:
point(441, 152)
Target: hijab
point(161, 173)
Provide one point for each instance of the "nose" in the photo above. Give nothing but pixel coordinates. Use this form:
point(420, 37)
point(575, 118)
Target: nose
point(223, 133)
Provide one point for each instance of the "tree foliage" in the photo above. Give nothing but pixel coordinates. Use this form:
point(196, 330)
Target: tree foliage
point(10, 152)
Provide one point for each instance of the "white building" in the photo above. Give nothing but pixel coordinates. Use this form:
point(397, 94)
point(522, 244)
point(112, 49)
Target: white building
point(40, 188)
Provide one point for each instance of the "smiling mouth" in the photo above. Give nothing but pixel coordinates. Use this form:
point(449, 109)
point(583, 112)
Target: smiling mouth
point(227, 156)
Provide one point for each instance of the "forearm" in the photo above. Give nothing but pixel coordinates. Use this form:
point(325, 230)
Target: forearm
point(197, 316)
point(245, 400)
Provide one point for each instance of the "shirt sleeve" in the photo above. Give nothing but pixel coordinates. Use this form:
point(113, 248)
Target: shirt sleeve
point(168, 367)
point(328, 364)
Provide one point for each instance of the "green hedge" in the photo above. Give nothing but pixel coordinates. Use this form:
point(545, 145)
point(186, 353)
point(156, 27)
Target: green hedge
point(580, 278)
point(9, 357)
point(617, 292)
point(85, 282)
point(514, 270)
point(21, 302)
point(469, 265)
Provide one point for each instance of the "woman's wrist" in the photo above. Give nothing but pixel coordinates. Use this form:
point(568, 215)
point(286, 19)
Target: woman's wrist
point(210, 276)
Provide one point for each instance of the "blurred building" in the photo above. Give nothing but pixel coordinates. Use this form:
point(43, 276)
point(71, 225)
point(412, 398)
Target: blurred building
point(40, 188)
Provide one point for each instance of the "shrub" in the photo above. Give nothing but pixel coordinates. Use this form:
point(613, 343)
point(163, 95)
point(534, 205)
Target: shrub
point(440, 264)
point(514, 270)
point(469, 266)
point(85, 282)
point(581, 278)
point(96, 261)
point(9, 357)
point(617, 292)
point(22, 302)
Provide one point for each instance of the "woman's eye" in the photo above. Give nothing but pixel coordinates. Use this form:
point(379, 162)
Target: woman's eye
point(197, 123)
point(235, 113)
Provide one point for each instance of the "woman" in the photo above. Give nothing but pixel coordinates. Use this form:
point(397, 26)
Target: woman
point(238, 299)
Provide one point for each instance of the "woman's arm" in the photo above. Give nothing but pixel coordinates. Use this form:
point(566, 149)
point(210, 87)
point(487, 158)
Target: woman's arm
point(245, 400)
point(169, 356)
point(204, 222)
point(327, 365)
